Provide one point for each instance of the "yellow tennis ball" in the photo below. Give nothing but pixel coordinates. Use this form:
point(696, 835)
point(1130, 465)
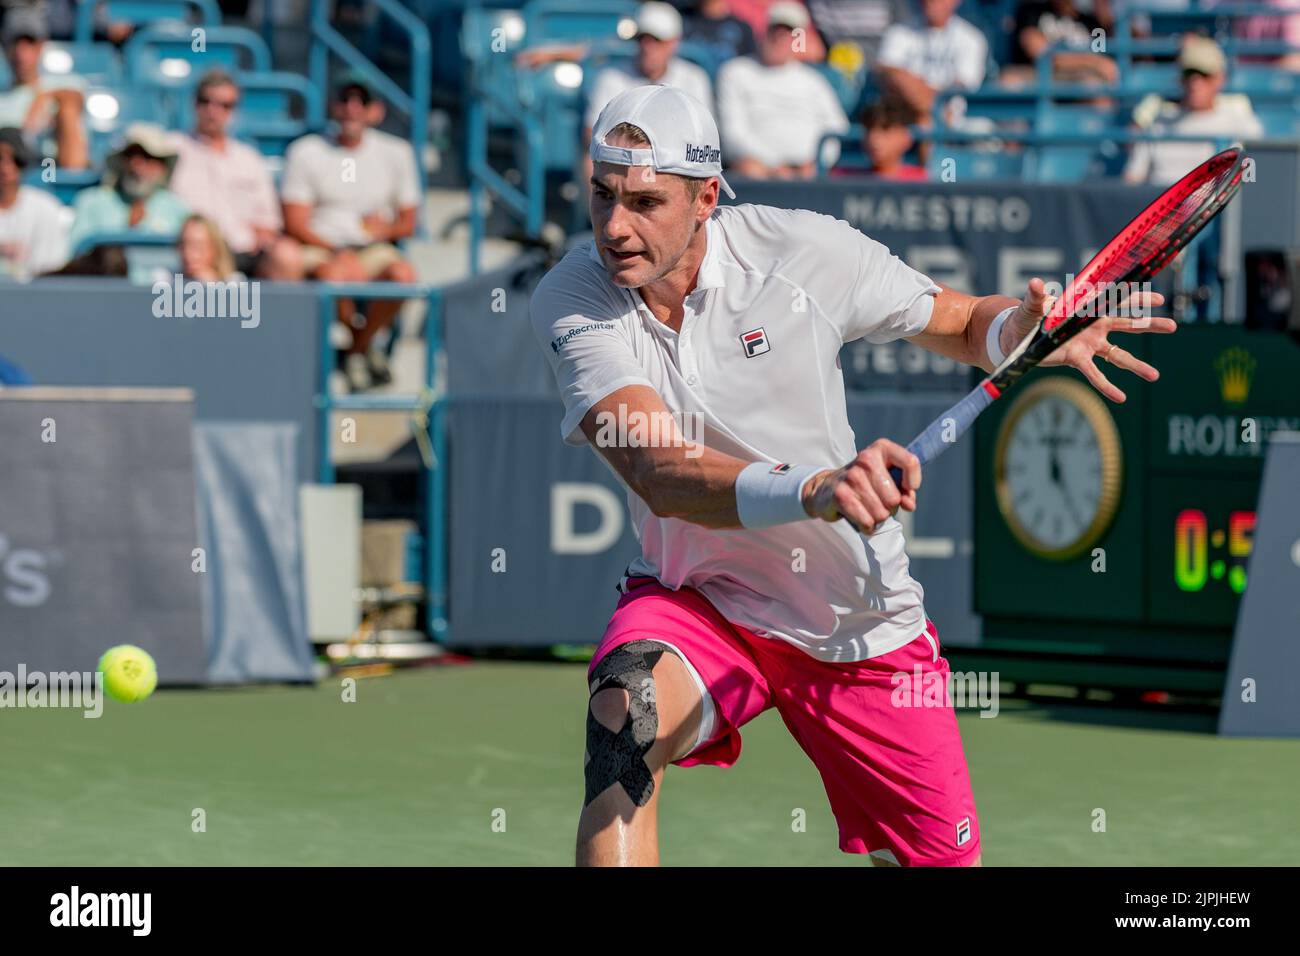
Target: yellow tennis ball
point(129, 673)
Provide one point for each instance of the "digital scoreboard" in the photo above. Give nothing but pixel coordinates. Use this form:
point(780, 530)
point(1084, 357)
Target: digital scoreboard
point(1112, 541)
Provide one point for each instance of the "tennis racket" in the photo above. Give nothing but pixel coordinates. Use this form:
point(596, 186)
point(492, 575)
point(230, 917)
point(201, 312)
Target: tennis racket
point(1140, 251)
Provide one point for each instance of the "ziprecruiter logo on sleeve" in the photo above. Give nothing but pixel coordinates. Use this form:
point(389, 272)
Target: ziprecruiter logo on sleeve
point(557, 344)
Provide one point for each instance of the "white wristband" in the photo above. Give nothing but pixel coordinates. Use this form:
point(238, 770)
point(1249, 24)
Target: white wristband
point(768, 494)
point(993, 344)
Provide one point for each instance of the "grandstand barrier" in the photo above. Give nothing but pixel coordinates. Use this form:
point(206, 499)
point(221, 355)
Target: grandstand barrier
point(98, 528)
point(105, 332)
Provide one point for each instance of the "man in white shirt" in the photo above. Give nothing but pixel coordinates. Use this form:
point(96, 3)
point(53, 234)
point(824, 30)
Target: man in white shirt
point(33, 224)
point(775, 110)
point(945, 52)
point(658, 34)
point(695, 348)
point(348, 199)
point(1204, 109)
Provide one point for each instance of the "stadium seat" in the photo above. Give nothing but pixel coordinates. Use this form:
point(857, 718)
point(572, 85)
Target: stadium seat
point(554, 93)
point(488, 41)
point(110, 109)
point(93, 62)
point(1280, 117)
point(1068, 162)
point(969, 163)
point(848, 89)
point(551, 21)
point(68, 183)
point(702, 55)
point(163, 55)
point(1152, 78)
point(1256, 78)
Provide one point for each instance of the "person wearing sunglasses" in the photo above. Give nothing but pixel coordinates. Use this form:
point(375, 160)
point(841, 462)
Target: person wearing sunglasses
point(350, 197)
point(229, 183)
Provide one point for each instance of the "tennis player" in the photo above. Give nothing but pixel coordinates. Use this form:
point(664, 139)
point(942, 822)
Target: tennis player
point(751, 591)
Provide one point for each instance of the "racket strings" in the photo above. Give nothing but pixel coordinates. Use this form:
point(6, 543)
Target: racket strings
point(1150, 242)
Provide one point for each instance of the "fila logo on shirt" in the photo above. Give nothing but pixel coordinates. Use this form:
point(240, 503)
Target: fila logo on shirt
point(755, 342)
point(963, 831)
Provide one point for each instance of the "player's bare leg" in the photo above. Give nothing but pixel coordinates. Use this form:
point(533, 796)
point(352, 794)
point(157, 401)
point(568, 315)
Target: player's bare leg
point(644, 711)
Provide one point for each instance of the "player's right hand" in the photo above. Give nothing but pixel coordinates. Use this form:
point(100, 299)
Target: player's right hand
point(863, 492)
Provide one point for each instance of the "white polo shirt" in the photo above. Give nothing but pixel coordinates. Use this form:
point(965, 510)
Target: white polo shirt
point(808, 283)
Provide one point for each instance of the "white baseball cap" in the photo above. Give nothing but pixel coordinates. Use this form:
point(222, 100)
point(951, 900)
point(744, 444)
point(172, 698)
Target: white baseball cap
point(683, 137)
point(787, 14)
point(660, 20)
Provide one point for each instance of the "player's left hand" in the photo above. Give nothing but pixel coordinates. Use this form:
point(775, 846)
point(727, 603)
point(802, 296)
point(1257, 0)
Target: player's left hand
point(1133, 314)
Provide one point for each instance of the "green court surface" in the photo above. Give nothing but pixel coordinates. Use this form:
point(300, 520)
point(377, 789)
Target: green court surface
point(417, 770)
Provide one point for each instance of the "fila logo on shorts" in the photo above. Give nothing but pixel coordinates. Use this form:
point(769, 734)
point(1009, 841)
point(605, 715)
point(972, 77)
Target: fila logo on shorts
point(755, 342)
point(963, 831)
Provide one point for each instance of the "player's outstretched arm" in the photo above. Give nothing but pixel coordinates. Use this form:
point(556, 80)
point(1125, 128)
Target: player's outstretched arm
point(981, 330)
point(959, 326)
point(679, 477)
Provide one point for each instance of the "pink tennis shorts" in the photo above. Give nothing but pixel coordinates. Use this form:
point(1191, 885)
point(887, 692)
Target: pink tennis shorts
point(896, 776)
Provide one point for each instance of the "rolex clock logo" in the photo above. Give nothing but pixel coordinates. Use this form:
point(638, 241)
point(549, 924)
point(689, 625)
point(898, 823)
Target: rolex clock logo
point(1236, 367)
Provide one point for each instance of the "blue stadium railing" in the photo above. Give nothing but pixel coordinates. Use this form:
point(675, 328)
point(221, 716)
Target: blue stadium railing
point(499, 96)
point(428, 414)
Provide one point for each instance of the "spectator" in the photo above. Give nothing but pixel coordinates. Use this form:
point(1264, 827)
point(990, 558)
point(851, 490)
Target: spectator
point(1042, 23)
point(945, 52)
point(658, 33)
point(203, 252)
point(33, 224)
point(36, 104)
point(712, 24)
point(229, 182)
point(857, 24)
point(134, 195)
point(775, 110)
point(886, 139)
point(809, 47)
point(1280, 27)
point(348, 199)
point(1202, 110)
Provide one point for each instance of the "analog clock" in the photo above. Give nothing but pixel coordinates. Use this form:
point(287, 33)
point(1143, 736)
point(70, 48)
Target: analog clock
point(1057, 468)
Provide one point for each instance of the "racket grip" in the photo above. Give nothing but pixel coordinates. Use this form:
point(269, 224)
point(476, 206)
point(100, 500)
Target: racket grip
point(947, 428)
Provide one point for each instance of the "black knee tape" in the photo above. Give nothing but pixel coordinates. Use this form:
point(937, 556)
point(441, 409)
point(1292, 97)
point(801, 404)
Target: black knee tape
point(619, 756)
